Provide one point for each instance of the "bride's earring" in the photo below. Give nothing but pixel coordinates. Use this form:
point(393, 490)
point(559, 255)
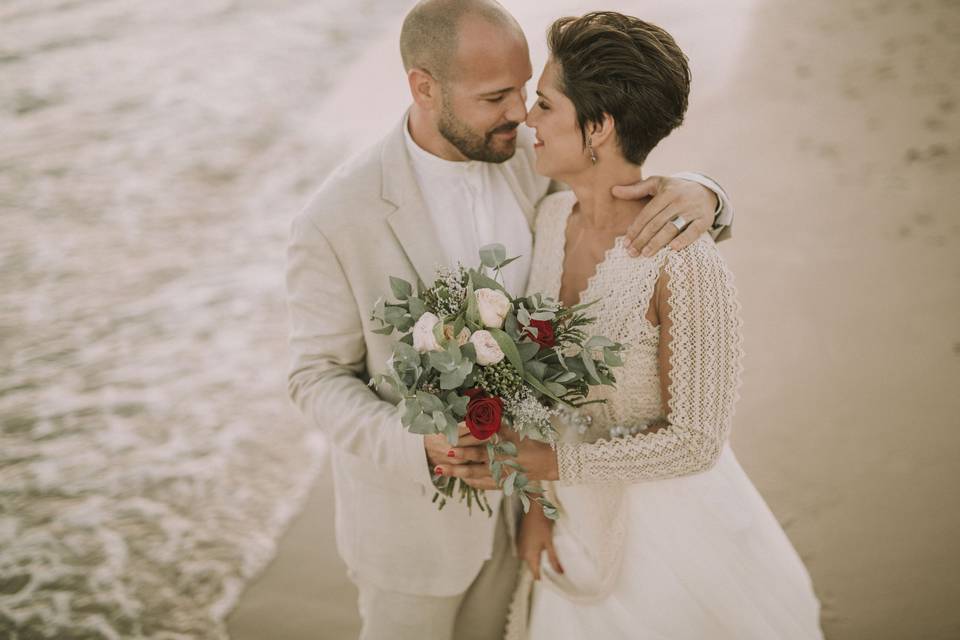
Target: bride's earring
point(593, 155)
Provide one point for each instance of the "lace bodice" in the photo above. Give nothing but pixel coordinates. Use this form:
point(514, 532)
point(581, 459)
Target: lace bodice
point(705, 345)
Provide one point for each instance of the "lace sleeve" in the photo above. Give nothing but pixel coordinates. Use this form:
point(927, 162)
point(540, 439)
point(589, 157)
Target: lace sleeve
point(701, 351)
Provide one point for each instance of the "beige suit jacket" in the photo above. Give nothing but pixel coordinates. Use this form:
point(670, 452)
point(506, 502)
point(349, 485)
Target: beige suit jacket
point(367, 222)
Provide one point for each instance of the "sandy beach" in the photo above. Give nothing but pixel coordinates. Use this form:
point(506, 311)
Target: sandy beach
point(154, 479)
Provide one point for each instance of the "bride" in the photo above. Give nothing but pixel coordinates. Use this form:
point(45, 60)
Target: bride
point(661, 534)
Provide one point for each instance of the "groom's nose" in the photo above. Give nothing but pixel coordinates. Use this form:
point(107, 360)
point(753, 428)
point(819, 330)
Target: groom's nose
point(517, 108)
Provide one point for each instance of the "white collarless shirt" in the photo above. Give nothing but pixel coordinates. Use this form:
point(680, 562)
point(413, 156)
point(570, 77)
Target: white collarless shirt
point(472, 205)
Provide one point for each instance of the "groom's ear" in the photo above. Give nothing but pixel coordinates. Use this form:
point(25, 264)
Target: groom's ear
point(601, 131)
point(424, 88)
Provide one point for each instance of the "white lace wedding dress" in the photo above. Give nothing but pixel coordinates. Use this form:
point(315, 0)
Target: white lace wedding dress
point(661, 535)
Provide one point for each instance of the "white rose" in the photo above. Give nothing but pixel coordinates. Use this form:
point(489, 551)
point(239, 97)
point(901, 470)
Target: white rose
point(493, 307)
point(423, 338)
point(488, 351)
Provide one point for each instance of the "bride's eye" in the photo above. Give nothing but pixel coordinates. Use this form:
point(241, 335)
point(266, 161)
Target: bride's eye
point(543, 105)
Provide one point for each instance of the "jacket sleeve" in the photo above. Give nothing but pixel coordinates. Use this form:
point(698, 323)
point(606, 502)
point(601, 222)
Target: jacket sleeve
point(327, 370)
point(723, 216)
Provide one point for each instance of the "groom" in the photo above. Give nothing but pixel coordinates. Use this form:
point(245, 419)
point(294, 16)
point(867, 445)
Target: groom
point(455, 174)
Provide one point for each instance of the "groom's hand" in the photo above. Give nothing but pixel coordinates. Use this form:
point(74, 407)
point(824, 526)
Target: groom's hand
point(440, 453)
point(672, 197)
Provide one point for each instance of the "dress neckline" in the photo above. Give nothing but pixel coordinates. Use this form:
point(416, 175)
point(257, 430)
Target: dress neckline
point(618, 244)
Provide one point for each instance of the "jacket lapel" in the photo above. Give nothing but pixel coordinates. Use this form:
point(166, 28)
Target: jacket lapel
point(410, 222)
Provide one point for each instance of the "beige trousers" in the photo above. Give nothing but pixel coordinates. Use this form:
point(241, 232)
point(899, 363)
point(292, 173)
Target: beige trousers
point(479, 613)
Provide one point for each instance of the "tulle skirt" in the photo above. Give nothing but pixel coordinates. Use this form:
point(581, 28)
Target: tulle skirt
point(704, 557)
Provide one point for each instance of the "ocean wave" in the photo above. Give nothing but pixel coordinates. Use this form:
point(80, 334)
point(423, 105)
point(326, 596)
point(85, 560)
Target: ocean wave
point(153, 156)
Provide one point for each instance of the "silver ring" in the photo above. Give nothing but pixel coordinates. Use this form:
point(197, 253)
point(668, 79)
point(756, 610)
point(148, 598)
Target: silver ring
point(679, 223)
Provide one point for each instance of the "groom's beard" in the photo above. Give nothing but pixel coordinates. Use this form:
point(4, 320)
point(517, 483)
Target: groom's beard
point(475, 146)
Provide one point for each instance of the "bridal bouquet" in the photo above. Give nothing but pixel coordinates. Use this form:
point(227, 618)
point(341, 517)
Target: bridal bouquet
point(471, 354)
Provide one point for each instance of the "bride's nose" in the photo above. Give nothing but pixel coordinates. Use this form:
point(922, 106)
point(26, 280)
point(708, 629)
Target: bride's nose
point(531, 121)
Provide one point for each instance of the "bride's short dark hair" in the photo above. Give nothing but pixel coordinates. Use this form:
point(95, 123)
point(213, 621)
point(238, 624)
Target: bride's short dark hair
point(628, 68)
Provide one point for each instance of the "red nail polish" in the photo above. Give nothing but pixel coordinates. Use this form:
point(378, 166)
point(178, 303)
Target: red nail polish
point(438, 471)
point(451, 454)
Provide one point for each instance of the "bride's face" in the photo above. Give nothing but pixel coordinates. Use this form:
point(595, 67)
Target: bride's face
point(559, 144)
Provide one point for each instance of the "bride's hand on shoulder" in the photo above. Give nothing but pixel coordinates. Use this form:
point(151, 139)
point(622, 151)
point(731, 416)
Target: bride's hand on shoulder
point(536, 536)
point(693, 203)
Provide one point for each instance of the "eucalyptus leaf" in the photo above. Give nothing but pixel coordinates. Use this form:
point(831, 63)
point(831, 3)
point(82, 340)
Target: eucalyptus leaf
point(411, 409)
point(482, 281)
point(423, 425)
point(509, 348)
point(429, 402)
point(537, 368)
point(525, 501)
point(556, 388)
point(385, 331)
point(401, 288)
point(536, 384)
point(543, 315)
point(589, 365)
point(454, 351)
point(493, 255)
point(453, 379)
point(417, 308)
point(473, 311)
point(458, 404)
point(452, 431)
point(596, 342)
point(612, 358)
point(442, 361)
point(527, 350)
point(575, 364)
point(511, 326)
point(393, 314)
point(406, 356)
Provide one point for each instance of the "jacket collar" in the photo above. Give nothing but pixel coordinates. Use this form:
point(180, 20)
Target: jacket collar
point(410, 222)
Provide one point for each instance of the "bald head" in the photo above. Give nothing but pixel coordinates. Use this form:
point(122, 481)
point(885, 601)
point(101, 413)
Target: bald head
point(430, 35)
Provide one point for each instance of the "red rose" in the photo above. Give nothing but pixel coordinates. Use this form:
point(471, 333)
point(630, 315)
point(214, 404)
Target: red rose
point(483, 414)
point(544, 337)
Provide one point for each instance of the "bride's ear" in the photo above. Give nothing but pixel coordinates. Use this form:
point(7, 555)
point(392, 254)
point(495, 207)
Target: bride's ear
point(424, 88)
point(601, 131)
